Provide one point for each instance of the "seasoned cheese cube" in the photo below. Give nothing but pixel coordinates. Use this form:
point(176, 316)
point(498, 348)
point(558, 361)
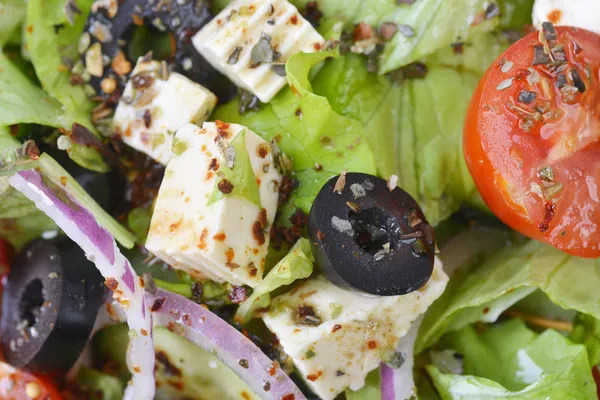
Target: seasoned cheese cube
point(577, 13)
point(335, 337)
point(249, 37)
point(216, 203)
point(154, 106)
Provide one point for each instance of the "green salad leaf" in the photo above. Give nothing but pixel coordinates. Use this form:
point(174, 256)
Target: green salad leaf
point(371, 390)
point(320, 142)
point(52, 39)
point(100, 385)
point(436, 24)
point(297, 264)
point(501, 279)
point(12, 13)
point(20, 220)
point(586, 331)
point(241, 175)
point(515, 14)
point(511, 361)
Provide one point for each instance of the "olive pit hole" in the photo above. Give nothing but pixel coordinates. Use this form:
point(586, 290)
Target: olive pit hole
point(372, 230)
point(31, 302)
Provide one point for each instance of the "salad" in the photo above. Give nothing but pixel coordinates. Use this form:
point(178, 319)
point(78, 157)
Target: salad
point(292, 199)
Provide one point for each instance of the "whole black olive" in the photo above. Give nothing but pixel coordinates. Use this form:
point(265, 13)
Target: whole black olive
point(49, 306)
point(108, 189)
point(368, 238)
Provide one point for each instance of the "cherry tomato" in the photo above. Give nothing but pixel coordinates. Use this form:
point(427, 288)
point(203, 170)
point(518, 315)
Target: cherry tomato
point(18, 385)
point(532, 138)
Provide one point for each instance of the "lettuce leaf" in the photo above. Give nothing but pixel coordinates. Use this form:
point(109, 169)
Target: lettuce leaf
point(12, 13)
point(586, 331)
point(20, 220)
point(501, 279)
point(49, 46)
point(297, 264)
point(320, 142)
point(511, 361)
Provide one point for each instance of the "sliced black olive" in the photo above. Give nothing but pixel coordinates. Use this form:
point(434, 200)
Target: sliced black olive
point(369, 239)
point(49, 305)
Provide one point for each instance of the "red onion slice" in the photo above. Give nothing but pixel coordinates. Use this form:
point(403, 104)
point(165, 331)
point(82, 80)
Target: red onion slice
point(399, 383)
point(216, 336)
point(100, 247)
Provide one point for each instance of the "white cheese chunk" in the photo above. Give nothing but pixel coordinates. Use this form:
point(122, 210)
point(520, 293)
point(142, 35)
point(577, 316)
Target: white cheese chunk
point(228, 40)
point(354, 332)
point(152, 108)
point(577, 13)
point(224, 240)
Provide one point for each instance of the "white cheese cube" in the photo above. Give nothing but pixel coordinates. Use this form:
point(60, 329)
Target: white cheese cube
point(227, 42)
point(577, 13)
point(352, 331)
point(154, 106)
point(226, 239)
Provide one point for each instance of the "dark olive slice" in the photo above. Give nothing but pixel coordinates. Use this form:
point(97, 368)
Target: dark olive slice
point(49, 306)
point(370, 239)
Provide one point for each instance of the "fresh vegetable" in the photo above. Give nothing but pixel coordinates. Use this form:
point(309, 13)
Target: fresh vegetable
point(212, 334)
point(320, 142)
point(297, 264)
point(511, 361)
point(80, 225)
point(531, 138)
point(12, 13)
point(93, 383)
point(18, 385)
point(484, 287)
point(183, 369)
point(49, 306)
point(369, 236)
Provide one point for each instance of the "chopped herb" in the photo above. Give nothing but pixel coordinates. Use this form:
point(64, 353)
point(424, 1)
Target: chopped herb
point(279, 69)
point(406, 30)
point(395, 359)
point(577, 81)
point(549, 32)
point(234, 56)
point(552, 191)
point(387, 30)
point(147, 118)
point(526, 97)
point(248, 102)
point(335, 309)
point(539, 55)
point(339, 373)
point(561, 81)
point(179, 147)
point(263, 51)
point(309, 353)
point(491, 11)
point(306, 316)
point(546, 174)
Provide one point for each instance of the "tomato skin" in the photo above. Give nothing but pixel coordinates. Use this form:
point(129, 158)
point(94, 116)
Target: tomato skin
point(14, 383)
point(505, 159)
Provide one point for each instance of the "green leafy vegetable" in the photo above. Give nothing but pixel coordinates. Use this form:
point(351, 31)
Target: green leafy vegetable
point(12, 13)
point(586, 331)
point(499, 280)
point(241, 175)
point(297, 264)
point(371, 390)
point(510, 361)
point(320, 142)
point(99, 385)
point(51, 39)
point(515, 14)
point(138, 221)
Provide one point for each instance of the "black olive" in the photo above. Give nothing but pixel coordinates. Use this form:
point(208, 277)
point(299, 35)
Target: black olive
point(108, 189)
point(49, 306)
point(369, 239)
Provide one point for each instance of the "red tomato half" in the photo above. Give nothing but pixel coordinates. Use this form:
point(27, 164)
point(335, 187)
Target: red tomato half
point(531, 138)
point(19, 385)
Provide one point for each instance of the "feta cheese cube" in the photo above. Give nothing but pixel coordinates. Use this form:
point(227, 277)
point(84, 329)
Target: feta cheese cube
point(273, 29)
point(345, 339)
point(224, 238)
point(577, 13)
point(154, 106)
